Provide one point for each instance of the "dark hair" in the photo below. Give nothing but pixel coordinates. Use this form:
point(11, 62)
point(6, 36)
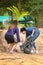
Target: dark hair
point(15, 22)
point(22, 29)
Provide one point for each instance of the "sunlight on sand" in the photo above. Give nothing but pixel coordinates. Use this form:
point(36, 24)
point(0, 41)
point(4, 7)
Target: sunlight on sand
point(24, 59)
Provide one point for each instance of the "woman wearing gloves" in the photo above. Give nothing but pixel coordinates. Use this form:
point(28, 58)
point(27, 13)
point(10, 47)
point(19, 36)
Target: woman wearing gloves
point(9, 36)
point(33, 32)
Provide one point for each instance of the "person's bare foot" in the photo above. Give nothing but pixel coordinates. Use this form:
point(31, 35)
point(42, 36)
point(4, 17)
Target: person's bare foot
point(12, 52)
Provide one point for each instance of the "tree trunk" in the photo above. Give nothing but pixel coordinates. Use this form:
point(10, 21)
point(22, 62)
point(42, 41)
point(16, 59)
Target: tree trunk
point(19, 4)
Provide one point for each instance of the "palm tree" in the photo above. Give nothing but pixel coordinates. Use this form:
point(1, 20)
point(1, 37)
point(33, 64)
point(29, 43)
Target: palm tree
point(16, 13)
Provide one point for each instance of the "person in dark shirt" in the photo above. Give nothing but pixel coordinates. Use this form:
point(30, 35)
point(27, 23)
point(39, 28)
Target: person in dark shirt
point(33, 32)
point(9, 36)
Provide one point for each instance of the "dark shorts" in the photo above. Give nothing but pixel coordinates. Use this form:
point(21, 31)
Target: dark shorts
point(9, 39)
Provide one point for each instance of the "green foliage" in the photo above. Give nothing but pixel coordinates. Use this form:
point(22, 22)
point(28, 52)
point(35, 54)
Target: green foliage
point(35, 7)
point(1, 26)
point(16, 13)
point(3, 11)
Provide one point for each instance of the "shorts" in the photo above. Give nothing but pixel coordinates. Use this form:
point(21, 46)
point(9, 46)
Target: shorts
point(9, 39)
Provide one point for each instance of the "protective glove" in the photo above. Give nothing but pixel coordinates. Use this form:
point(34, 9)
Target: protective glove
point(20, 43)
point(31, 35)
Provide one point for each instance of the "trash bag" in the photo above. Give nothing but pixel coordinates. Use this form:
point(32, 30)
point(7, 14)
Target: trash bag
point(27, 49)
point(27, 46)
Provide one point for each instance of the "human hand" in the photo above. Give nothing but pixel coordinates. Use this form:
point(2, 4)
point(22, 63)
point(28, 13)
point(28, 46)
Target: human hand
point(31, 35)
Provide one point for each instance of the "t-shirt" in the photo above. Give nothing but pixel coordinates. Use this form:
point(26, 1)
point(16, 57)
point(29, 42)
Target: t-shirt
point(22, 37)
point(29, 31)
point(13, 31)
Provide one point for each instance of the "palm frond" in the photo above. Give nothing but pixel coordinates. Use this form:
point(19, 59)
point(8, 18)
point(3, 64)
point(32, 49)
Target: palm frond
point(17, 14)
